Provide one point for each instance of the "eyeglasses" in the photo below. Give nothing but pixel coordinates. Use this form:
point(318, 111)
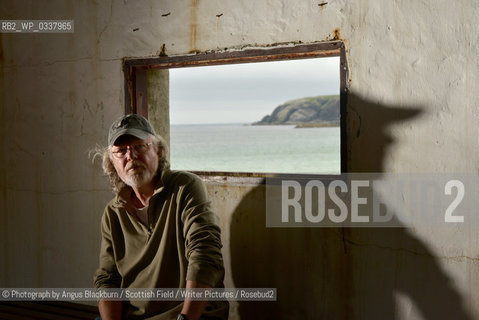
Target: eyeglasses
point(140, 148)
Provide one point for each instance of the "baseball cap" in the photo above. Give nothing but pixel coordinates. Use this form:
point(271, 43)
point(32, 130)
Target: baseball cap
point(131, 124)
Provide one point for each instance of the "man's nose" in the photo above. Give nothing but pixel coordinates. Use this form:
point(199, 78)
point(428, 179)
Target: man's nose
point(130, 154)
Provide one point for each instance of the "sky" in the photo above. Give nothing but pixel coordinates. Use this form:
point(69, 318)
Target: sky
point(245, 93)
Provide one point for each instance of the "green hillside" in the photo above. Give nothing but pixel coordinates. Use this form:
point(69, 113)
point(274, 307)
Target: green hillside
point(305, 112)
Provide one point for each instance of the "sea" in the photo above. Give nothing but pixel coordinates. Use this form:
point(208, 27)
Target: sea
point(258, 149)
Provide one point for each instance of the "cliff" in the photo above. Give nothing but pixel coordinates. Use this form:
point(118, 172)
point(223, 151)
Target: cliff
point(305, 112)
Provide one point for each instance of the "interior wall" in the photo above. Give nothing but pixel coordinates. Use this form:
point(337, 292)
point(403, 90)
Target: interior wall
point(411, 108)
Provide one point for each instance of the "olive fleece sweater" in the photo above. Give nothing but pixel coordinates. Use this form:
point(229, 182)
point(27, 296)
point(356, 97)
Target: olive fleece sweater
point(182, 241)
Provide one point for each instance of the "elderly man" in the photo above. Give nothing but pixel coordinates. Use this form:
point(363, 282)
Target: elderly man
point(158, 232)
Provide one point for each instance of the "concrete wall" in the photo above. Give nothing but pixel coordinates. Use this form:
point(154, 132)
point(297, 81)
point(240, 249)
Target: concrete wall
point(411, 108)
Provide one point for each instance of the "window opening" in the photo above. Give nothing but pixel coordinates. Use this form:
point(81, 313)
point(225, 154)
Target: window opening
point(273, 117)
point(254, 112)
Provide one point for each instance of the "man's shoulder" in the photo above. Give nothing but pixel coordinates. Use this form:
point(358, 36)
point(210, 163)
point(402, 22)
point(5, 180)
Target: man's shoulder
point(113, 205)
point(184, 181)
point(112, 202)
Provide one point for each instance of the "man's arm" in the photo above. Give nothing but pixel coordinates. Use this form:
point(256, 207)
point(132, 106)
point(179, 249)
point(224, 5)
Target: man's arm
point(202, 245)
point(110, 310)
point(193, 308)
point(107, 275)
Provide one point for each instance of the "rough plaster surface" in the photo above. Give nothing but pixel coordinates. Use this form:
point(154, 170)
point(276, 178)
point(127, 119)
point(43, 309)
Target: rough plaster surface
point(413, 92)
point(158, 102)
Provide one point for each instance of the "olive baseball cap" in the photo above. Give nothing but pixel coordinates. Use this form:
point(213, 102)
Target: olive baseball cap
point(131, 124)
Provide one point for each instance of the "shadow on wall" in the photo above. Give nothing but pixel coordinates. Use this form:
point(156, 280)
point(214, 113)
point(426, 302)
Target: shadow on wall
point(340, 273)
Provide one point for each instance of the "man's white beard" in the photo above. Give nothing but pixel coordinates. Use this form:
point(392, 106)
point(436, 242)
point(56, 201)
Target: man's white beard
point(138, 179)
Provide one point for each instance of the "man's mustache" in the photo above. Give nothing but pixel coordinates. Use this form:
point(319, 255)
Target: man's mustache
point(135, 164)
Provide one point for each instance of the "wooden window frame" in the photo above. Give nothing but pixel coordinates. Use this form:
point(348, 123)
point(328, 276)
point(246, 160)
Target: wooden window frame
point(136, 87)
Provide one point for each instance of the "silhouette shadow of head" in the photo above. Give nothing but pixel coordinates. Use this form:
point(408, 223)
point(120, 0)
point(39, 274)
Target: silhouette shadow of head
point(368, 135)
point(341, 273)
